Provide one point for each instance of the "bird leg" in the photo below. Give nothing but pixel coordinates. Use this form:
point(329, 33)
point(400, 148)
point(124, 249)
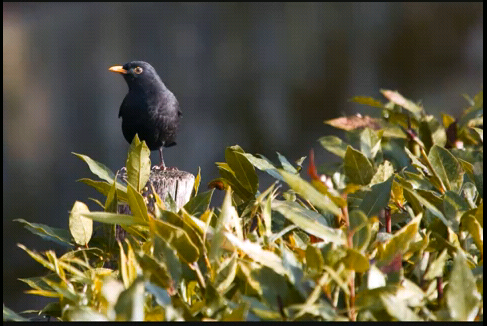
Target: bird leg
point(162, 166)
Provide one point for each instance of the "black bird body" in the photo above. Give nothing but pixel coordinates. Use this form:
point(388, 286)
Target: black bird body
point(149, 109)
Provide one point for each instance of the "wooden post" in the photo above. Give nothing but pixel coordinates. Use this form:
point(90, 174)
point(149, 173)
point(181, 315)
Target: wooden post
point(179, 184)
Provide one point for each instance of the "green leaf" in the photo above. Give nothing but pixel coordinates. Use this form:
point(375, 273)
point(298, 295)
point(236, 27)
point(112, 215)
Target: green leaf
point(435, 269)
point(197, 181)
point(226, 274)
point(267, 213)
point(114, 218)
point(370, 142)
point(104, 188)
point(471, 224)
point(158, 271)
point(60, 236)
point(415, 161)
point(447, 167)
point(334, 145)
point(462, 297)
point(378, 198)
point(263, 165)
point(366, 100)
point(81, 228)
point(285, 164)
point(398, 99)
point(478, 172)
point(111, 203)
point(138, 164)
point(361, 229)
point(137, 204)
point(199, 203)
point(244, 171)
point(479, 132)
point(384, 172)
point(309, 221)
point(306, 190)
point(10, 315)
point(164, 252)
point(410, 194)
point(227, 214)
point(357, 167)
point(479, 215)
point(239, 313)
point(177, 238)
point(130, 303)
point(354, 260)
point(82, 313)
point(229, 175)
point(431, 132)
point(255, 251)
point(399, 243)
point(97, 168)
point(397, 308)
point(453, 208)
point(314, 259)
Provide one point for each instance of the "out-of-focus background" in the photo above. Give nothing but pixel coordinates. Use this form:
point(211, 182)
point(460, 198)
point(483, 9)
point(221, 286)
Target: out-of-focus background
point(261, 75)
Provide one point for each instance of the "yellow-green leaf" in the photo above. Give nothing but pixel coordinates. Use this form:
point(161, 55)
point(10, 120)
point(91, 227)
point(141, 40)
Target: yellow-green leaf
point(138, 164)
point(306, 190)
point(81, 227)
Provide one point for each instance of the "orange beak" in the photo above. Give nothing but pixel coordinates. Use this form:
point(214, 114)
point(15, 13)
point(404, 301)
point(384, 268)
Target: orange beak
point(118, 69)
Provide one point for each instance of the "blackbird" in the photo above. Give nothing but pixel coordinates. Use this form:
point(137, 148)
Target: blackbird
point(149, 109)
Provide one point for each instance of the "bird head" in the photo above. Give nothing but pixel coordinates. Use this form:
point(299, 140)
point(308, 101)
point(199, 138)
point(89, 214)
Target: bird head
point(137, 74)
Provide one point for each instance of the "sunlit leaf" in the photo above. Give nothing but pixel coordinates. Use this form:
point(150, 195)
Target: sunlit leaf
point(199, 203)
point(462, 297)
point(10, 315)
point(177, 238)
point(254, 251)
point(81, 227)
point(244, 171)
point(354, 122)
point(104, 188)
point(399, 243)
point(370, 142)
point(137, 204)
point(447, 167)
point(360, 228)
point(263, 165)
point(197, 181)
point(398, 99)
point(130, 304)
point(472, 225)
point(305, 189)
point(97, 168)
point(354, 260)
point(138, 164)
point(435, 269)
point(334, 145)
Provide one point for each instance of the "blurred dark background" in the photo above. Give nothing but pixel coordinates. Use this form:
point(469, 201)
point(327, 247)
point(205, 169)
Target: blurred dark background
point(261, 75)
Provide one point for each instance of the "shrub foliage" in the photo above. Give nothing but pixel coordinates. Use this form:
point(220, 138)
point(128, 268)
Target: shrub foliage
point(391, 231)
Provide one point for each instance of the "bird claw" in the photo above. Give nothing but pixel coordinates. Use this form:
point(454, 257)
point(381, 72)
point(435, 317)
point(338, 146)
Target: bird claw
point(165, 168)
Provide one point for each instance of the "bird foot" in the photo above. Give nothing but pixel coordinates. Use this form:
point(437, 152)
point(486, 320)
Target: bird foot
point(165, 168)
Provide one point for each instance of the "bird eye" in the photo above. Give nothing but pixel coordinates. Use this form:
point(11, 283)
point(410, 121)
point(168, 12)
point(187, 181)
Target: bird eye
point(138, 70)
